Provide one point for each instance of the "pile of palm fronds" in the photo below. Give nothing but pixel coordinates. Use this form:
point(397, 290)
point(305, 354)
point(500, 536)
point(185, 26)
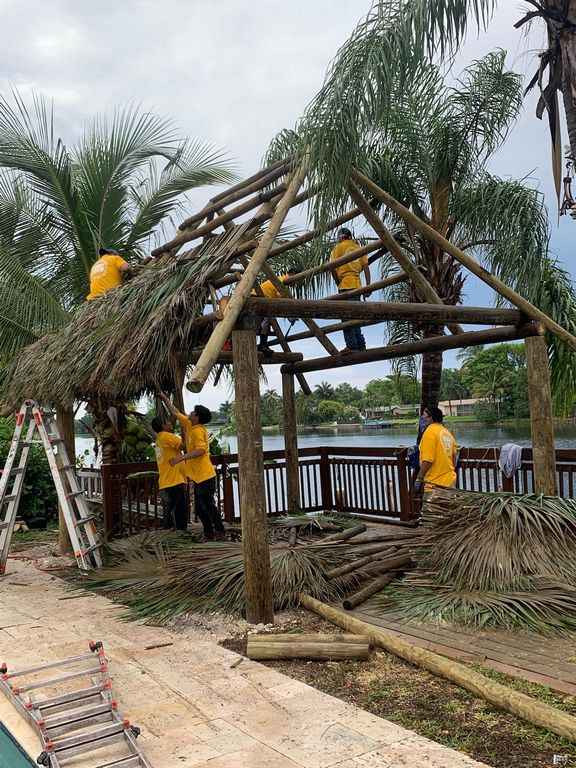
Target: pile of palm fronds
point(121, 344)
point(492, 559)
point(160, 577)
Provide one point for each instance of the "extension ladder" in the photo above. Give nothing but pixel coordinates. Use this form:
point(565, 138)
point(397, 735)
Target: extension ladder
point(65, 721)
point(79, 520)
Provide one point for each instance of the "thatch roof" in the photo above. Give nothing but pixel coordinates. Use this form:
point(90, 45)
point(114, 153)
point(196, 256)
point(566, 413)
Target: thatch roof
point(126, 342)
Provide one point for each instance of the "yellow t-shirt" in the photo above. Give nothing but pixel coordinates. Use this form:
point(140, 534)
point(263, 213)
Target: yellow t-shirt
point(348, 274)
point(438, 446)
point(168, 446)
point(196, 436)
point(105, 275)
point(269, 290)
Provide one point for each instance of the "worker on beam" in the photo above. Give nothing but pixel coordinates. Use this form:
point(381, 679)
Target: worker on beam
point(347, 277)
point(107, 273)
point(270, 291)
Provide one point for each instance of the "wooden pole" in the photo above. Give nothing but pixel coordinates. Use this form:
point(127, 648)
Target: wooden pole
point(309, 323)
point(501, 696)
point(432, 344)
point(261, 180)
point(468, 261)
point(257, 575)
point(541, 416)
point(242, 291)
point(330, 265)
point(326, 329)
point(379, 310)
point(193, 234)
point(291, 444)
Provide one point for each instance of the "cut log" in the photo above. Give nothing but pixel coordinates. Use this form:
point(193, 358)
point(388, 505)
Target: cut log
point(360, 562)
point(349, 533)
point(293, 537)
point(536, 712)
point(323, 647)
point(353, 601)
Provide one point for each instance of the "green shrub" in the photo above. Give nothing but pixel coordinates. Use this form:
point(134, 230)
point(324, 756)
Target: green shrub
point(39, 494)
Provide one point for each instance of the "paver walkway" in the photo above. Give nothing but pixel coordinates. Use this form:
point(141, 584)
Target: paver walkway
point(197, 706)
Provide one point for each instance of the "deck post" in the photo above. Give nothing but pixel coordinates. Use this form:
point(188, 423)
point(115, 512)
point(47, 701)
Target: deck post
point(257, 573)
point(291, 444)
point(326, 481)
point(541, 415)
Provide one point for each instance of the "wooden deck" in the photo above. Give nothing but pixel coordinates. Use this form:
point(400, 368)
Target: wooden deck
point(538, 659)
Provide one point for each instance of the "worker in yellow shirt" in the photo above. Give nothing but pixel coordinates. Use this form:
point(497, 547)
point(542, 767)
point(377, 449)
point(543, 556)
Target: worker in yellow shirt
point(437, 454)
point(198, 467)
point(347, 277)
point(106, 273)
point(171, 480)
point(270, 291)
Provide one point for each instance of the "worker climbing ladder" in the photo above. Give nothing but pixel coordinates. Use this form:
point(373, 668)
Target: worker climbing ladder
point(34, 427)
point(75, 715)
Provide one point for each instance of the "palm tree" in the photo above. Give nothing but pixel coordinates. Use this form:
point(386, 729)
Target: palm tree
point(123, 181)
point(324, 391)
point(433, 155)
point(387, 48)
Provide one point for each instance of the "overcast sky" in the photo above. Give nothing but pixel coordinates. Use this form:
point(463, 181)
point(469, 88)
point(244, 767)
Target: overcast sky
point(233, 73)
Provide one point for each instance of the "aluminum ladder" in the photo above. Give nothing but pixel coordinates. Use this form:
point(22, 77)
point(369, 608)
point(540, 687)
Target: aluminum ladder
point(34, 427)
point(65, 720)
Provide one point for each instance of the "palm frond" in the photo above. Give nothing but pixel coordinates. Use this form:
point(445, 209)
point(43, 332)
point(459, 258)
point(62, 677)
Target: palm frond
point(492, 558)
point(159, 194)
point(383, 53)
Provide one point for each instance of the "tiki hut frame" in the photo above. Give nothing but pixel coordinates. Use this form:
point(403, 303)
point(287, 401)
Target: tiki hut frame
point(237, 250)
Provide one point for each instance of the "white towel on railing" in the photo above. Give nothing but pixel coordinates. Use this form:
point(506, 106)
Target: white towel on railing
point(510, 459)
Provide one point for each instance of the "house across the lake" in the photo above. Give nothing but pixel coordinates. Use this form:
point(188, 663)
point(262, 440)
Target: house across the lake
point(464, 407)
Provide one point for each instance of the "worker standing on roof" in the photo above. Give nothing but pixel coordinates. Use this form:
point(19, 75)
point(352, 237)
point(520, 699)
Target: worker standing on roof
point(270, 291)
point(347, 277)
point(106, 273)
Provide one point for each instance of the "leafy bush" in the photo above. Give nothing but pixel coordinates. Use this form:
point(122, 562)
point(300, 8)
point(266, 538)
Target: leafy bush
point(39, 494)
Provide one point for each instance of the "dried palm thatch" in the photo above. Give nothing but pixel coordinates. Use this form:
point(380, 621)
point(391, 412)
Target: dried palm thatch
point(160, 580)
point(124, 343)
point(492, 559)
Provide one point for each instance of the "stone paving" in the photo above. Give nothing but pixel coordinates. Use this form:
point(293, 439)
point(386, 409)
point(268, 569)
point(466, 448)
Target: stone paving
point(197, 703)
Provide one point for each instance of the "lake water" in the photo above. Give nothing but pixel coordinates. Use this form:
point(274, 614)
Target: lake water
point(467, 435)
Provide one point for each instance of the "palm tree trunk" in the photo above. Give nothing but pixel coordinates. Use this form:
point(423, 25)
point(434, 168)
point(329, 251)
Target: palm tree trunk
point(431, 373)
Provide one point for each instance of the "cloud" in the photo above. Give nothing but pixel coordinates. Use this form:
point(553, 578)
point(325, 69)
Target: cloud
point(232, 73)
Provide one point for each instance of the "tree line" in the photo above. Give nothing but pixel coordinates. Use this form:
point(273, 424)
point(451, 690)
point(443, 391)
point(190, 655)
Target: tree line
point(495, 375)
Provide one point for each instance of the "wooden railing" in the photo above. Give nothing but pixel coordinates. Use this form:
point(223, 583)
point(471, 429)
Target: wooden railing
point(358, 481)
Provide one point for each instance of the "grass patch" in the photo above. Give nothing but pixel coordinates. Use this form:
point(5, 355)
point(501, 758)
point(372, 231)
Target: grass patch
point(433, 707)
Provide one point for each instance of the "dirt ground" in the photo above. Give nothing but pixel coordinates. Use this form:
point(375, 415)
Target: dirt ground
point(428, 705)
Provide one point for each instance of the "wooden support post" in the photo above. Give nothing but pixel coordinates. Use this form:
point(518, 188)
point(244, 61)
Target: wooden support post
point(291, 444)
point(467, 261)
point(257, 575)
point(242, 290)
point(541, 416)
point(326, 481)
